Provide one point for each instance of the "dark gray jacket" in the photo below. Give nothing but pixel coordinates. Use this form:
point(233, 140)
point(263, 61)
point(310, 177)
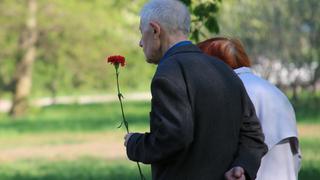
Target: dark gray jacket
point(202, 121)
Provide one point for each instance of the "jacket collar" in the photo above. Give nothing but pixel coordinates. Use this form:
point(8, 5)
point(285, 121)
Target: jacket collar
point(242, 70)
point(182, 48)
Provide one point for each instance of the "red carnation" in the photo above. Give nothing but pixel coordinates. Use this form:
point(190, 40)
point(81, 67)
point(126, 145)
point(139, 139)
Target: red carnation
point(116, 60)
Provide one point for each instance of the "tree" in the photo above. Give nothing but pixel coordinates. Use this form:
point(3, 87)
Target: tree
point(71, 39)
point(22, 80)
point(304, 16)
point(285, 31)
point(10, 11)
point(62, 50)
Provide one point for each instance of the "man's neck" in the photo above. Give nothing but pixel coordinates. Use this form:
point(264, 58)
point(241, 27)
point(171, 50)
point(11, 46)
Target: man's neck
point(171, 41)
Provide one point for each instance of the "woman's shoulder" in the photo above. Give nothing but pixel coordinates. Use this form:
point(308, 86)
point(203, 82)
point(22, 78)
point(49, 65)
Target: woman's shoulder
point(261, 87)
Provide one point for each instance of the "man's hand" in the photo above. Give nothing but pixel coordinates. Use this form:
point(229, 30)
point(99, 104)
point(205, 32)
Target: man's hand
point(236, 173)
point(126, 138)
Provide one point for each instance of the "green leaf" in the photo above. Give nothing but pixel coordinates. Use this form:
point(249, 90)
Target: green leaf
point(186, 2)
point(200, 11)
point(195, 35)
point(212, 8)
point(212, 24)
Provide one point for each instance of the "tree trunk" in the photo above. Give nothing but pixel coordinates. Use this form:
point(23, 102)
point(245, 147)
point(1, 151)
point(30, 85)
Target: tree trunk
point(23, 72)
point(295, 93)
point(315, 80)
point(52, 87)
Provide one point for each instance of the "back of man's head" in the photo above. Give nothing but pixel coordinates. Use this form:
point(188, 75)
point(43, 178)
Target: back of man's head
point(172, 15)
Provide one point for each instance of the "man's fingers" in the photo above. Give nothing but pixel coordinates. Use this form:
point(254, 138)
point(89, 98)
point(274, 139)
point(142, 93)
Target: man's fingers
point(238, 172)
point(228, 175)
point(126, 138)
point(243, 177)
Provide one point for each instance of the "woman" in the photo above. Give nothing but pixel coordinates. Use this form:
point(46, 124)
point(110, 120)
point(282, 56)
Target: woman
point(273, 109)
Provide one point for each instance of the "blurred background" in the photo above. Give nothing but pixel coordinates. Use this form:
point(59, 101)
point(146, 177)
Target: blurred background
point(58, 105)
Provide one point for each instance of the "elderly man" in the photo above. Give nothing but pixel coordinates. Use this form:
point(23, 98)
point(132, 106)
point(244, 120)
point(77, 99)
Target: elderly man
point(202, 122)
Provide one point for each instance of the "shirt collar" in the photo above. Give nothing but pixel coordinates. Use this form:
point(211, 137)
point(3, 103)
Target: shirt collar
point(242, 70)
point(181, 43)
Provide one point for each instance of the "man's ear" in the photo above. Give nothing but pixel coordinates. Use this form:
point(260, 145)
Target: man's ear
point(156, 29)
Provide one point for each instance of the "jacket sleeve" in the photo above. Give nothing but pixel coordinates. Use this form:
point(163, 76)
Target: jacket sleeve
point(251, 141)
point(171, 124)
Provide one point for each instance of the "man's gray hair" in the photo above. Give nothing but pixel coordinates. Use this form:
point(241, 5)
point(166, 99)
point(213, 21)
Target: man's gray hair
point(172, 15)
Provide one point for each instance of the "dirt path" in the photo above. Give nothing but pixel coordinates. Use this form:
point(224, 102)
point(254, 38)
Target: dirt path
point(105, 145)
point(309, 130)
point(105, 150)
point(46, 101)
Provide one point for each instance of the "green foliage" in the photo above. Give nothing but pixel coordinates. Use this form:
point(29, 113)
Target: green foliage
point(212, 24)
point(9, 12)
point(286, 30)
point(74, 38)
point(204, 18)
point(187, 2)
point(307, 108)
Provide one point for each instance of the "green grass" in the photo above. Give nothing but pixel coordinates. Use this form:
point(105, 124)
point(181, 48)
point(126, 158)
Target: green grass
point(77, 118)
point(307, 109)
point(101, 117)
point(310, 148)
point(81, 169)
point(68, 124)
point(73, 124)
point(90, 168)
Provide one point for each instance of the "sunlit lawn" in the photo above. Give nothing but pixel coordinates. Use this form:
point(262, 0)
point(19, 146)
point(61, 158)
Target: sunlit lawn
point(74, 128)
point(80, 169)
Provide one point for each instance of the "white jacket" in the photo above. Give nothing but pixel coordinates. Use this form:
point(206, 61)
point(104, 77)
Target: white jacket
point(273, 108)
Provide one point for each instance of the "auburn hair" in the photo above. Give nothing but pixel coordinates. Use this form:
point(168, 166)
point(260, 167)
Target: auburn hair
point(231, 51)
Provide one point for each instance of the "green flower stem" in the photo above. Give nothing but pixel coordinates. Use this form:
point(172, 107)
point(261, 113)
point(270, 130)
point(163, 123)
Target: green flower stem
point(125, 122)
